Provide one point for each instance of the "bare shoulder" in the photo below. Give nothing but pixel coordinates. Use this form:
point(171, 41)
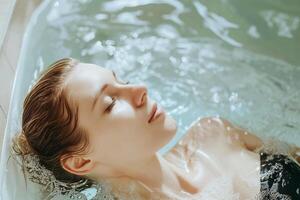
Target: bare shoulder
point(209, 128)
point(204, 128)
point(201, 131)
point(205, 132)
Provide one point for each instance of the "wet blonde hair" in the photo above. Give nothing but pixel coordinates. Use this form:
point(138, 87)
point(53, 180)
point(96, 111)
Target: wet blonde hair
point(50, 122)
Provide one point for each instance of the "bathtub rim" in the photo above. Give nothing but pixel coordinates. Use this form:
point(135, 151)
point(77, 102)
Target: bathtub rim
point(13, 120)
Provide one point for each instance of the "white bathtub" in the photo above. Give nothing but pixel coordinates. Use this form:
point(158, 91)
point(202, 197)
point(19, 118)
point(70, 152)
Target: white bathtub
point(213, 92)
point(13, 186)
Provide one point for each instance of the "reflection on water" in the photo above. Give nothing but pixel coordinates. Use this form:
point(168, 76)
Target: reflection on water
point(232, 58)
point(217, 24)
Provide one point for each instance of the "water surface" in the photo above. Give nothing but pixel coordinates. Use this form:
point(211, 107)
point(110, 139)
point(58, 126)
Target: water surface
point(230, 58)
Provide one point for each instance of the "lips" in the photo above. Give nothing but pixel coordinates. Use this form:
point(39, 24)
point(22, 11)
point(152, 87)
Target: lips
point(156, 112)
point(152, 113)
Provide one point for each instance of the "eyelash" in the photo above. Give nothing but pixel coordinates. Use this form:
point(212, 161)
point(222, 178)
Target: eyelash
point(109, 108)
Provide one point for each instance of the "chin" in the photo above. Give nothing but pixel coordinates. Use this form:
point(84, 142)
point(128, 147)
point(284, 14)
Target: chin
point(170, 129)
point(170, 124)
point(165, 135)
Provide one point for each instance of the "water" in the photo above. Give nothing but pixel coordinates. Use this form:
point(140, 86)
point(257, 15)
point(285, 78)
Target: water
point(229, 58)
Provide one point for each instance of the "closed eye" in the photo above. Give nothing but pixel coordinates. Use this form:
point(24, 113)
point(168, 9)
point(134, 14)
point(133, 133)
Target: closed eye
point(109, 108)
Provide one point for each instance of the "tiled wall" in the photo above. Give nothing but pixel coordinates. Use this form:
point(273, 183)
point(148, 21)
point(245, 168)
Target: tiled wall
point(6, 10)
point(9, 54)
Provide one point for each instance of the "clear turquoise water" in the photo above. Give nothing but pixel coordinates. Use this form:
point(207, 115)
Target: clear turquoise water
point(236, 59)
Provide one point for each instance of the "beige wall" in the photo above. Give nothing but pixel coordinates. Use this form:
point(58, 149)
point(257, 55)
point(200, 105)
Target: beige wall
point(9, 54)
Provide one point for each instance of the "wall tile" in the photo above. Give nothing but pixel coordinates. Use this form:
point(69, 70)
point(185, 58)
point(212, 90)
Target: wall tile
point(6, 8)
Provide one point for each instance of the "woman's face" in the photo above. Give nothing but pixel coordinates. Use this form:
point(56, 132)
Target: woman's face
point(119, 134)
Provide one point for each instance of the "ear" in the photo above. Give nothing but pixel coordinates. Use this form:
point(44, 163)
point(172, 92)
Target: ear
point(77, 164)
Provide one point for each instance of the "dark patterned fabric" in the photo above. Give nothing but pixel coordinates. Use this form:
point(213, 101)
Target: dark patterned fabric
point(279, 177)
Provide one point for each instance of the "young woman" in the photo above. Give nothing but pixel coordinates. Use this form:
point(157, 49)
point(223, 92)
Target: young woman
point(84, 123)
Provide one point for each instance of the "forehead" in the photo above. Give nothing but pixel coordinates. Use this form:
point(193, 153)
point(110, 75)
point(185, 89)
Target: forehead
point(85, 80)
point(85, 70)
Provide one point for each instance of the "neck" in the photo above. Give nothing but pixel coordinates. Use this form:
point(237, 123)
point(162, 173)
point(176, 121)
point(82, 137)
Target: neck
point(156, 173)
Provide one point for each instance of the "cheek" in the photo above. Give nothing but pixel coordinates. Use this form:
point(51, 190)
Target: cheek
point(123, 134)
point(116, 149)
point(116, 139)
point(105, 148)
point(124, 138)
point(122, 110)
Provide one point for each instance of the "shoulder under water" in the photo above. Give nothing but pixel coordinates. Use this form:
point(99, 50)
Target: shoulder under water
point(219, 188)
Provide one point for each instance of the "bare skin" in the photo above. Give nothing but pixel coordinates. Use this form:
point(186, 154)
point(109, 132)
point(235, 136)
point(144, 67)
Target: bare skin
point(213, 148)
point(124, 145)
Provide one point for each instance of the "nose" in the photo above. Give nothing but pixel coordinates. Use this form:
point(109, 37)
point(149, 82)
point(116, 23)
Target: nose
point(138, 95)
